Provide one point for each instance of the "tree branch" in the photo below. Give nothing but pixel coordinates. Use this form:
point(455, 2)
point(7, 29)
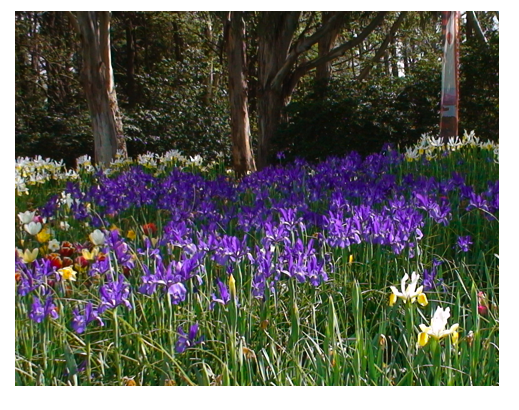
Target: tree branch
point(303, 45)
point(396, 25)
point(476, 26)
point(302, 69)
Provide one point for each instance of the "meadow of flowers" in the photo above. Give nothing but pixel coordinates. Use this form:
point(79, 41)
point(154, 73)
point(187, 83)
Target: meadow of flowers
point(165, 270)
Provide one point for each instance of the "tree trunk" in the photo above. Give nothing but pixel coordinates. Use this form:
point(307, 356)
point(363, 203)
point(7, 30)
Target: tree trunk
point(106, 58)
point(275, 37)
point(323, 71)
point(243, 160)
point(97, 79)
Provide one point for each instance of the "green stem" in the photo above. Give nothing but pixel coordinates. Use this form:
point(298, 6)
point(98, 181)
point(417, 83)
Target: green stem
point(117, 348)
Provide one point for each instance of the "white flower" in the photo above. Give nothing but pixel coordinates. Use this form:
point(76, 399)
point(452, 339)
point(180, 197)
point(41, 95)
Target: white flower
point(196, 160)
point(409, 293)
point(53, 245)
point(26, 217)
point(454, 143)
point(64, 225)
point(412, 153)
point(97, 237)
point(33, 228)
point(435, 142)
point(438, 330)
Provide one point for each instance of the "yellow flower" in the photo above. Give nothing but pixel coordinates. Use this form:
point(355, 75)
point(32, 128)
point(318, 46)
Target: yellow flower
point(43, 236)
point(437, 329)
point(350, 261)
point(90, 256)
point(29, 256)
point(131, 235)
point(68, 273)
point(410, 293)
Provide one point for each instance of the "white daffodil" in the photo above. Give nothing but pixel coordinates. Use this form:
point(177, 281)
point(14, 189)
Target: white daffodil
point(454, 143)
point(410, 293)
point(54, 245)
point(438, 330)
point(435, 142)
point(97, 237)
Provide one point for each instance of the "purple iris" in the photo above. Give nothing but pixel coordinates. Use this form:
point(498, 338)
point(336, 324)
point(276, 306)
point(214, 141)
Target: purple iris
point(187, 340)
point(429, 278)
point(464, 243)
point(177, 292)
point(223, 296)
point(114, 293)
point(81, 320)
point(40, 311)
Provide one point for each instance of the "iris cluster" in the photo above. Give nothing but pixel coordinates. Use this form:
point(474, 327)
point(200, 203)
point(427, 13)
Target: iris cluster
point(283, 222)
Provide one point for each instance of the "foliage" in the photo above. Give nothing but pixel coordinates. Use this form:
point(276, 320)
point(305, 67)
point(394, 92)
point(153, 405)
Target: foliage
point(347, 117)
point(479, 87)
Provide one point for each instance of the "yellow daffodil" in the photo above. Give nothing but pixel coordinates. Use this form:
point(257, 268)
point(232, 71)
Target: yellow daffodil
point(410, 293)
point(437, 329)
point(131, 235)
point(68, 273)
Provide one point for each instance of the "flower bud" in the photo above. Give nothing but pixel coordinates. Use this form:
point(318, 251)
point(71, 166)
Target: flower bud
point(232, 287)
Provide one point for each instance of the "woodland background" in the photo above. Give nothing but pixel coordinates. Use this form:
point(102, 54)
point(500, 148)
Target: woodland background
point(172, 79)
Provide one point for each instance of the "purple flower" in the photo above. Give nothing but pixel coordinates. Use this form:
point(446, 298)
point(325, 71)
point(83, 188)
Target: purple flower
point(81, 320)
point(113, 294)
point(223, 297)
point(429, 277)
point(39, 312)
point(463, 243)
point(178, 292)
point(187, 340)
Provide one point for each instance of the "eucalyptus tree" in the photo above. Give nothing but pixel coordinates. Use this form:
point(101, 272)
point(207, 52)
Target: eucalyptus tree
point(242, 157)
point(98, 83)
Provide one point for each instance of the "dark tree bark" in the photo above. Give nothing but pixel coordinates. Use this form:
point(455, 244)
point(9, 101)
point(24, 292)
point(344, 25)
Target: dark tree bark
point(98, 83)
point(323, 71)
point(243, 160)
point(275, 33)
